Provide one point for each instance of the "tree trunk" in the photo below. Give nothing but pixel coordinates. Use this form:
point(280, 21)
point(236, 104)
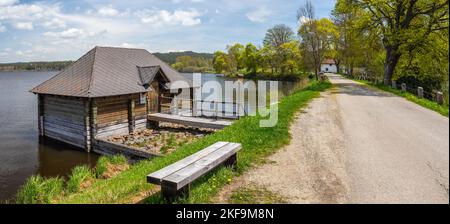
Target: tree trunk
point(392, 58)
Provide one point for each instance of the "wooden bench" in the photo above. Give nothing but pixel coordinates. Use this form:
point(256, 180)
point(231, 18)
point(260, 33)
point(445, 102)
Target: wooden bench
point(175, 179)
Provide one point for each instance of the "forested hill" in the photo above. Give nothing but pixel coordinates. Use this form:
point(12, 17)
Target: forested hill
point(201, 62)
point(34, 66)
point(171, 57)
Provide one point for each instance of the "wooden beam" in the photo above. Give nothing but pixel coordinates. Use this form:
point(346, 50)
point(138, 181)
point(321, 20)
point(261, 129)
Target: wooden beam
point(189, 121)
point(41, 114)
point(131, 113)
point(86, 119)
point(93, 121)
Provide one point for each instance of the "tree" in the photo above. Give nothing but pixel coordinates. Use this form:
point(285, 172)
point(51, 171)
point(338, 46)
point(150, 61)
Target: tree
point(278, 35)
point(235, 57)
point(220, 62)
point(403, 25)
point(316, 37)
point(251, 58)
point(290, 57)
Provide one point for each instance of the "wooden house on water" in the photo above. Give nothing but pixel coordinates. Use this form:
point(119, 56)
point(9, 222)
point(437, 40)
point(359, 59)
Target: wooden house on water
point(108, 91)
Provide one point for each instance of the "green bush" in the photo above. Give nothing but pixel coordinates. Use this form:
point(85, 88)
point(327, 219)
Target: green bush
point(79, 175)
point(39, 190)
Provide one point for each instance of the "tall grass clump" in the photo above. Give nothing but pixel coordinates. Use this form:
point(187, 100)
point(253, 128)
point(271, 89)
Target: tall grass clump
point(80, 174)
point(103, 162)
point(40, 190)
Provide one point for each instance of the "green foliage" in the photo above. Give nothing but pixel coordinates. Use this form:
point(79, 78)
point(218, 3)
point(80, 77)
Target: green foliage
point(257, 144)
point(171, 57)
point(189, 64)
point(79, 175)
point(395, 39)
point(277, 59)
point(35, 66)
point(317, 39)
point(39, 190)
point(103, 161)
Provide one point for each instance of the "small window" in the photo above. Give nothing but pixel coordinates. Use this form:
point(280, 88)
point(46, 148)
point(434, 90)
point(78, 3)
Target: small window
point(142, 98)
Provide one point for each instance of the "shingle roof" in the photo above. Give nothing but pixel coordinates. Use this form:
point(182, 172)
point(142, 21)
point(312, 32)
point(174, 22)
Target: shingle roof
point(329, 61)
point(147, 74)
point(106, 71)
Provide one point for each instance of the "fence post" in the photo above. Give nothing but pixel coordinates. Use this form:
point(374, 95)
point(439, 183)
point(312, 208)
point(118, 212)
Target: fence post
point(403, 87)
point(394, 84)
point(439, 98)
point(420, 92)
point(175, 109)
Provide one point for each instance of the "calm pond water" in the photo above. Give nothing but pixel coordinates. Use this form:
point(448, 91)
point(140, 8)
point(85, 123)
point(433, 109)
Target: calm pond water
point(21, 154)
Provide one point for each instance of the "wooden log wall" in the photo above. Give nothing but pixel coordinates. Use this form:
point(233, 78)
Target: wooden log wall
point(117, 116)
point(77, 120)
point(112, 116)
point(64, 119)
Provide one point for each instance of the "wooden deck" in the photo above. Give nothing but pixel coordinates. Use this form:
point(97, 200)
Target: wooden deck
point(190, 121)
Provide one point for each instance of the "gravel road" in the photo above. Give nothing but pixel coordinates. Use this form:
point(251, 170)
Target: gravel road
point(356, 144)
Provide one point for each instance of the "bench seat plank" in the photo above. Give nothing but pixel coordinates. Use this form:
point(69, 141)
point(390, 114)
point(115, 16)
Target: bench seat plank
point(156, 177)
point(188, 174)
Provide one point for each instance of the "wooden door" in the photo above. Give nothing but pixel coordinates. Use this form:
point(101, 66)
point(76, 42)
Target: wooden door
point(153, 98)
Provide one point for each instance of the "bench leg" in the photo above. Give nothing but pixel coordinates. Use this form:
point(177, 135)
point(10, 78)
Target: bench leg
point(171, 194)
point(231, 162)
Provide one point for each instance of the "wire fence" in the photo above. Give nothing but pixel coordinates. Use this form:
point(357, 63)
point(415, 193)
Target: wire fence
point(434, 95)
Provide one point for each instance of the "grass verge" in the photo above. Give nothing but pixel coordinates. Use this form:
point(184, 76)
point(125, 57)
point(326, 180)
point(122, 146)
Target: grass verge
point(255, 196)
point(257, 143)
point(442, 109)
point(39, 190)
point(80, 174)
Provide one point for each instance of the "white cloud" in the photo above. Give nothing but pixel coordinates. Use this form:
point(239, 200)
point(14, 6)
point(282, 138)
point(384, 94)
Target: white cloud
point(54, 23)
point(8, 2)
point(260, 15)
point(71, 33)
point(2, 28)
point(131, 45)
point(107, 11)
point(24, 25)
point(164, 17)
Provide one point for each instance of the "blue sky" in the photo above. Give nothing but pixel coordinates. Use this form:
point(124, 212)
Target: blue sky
point(64, 30)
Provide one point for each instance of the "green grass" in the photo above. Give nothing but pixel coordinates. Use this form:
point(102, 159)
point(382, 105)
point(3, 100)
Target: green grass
point(39, 190)
point(442, 109)
point(255, 196)
point(79, 175)
point(102, 163)
point(257, 143)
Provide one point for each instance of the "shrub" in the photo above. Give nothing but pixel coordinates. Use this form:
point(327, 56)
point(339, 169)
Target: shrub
point(39, 190)
point(79, 175)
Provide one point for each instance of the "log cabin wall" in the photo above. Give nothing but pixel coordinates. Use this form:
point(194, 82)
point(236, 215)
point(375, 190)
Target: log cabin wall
point(112, 116)
point(63, 119)
point(119, 115)
point(74, 120)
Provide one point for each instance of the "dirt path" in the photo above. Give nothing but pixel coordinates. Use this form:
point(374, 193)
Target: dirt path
point(358, 145)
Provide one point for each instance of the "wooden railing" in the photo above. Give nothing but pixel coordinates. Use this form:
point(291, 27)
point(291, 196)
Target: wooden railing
point(196, 108)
